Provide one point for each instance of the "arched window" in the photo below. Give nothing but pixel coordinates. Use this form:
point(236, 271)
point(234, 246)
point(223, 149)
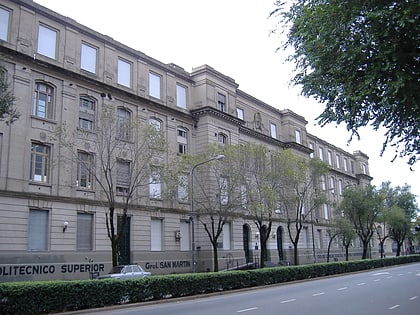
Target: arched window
point(43, 100)
point(156, 124)
point(182, 140)
point(87, 110)
point(221, 139)
point(123, 124)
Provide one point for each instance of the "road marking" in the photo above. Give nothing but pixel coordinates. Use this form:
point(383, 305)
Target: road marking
point(376, 280)
point(318, 294)
point(413, 298)
point(361, 283)
point(343, 288)
point(287, 301)
point(401, 274)
point(380, 273)
point(247, 310)
point(389, 277)
point(392, 307)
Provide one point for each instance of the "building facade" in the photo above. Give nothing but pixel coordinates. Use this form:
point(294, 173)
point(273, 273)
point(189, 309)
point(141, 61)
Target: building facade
point(52, 219)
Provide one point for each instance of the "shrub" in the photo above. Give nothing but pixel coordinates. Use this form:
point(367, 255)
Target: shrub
point(43, 297)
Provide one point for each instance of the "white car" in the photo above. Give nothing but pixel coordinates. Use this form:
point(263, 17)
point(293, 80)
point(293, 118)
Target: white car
point(126, 272)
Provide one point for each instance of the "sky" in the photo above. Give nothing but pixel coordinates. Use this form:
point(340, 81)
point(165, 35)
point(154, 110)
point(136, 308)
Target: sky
point(234, 37)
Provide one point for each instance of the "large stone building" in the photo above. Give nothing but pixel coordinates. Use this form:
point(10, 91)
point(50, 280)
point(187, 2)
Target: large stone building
point(52, 223)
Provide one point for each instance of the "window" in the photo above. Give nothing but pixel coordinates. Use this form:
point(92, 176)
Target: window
point(47, 41)
point(38, 230)
point(181, 96)
point(124, 73)
point(337, 161)
point(185, 235)
point(298, 136)
point(240, 113)
point(43, 100)
point(226, 236)
point(156, 234)
point(123, 124)
point(311, 146)
point(243, 196)
point(224, 190)
point(332, 185)
point(183, 188)
point(155, 186)
point(364, 168)
point(4, 23)
point(123, 177)
point(321, 153)
point(87, 113)
point(154, 85)
point(182, 140)
point(323, 183)
point(273, 130)
point(330, 162)
point(221, 102)
point(340, 187)
point(319, 243)
point(88, 58)
point(346, 164)
point(84, 237)
point(156, 124)
point(326, 214)
point(84, 170)
point(221, 139)
point(155, 135)
point(40, 163)
point(304, 243)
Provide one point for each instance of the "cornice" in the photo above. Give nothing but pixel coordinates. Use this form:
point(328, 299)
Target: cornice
point(83, 201)
point(16, 56)
point(208, 110)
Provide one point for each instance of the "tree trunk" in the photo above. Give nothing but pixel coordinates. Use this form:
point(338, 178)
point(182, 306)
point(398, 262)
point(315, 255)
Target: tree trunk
point(381, 243)
point(347, 253)
point(114, 247)
point(215, 257)
point(263, 251)
point(365, 250)
point(328, 250)
point(295, 255)
point(398, 249)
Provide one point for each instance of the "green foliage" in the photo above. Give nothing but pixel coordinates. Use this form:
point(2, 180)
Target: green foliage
point(360, 58)
point(362, 206)
point(7, 112)
point(29, 298)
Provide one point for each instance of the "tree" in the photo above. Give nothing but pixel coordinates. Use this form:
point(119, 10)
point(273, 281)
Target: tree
point(399, 227)
point(259, 190)
point(7, 111)
point(218, 196)
point(416, 228)
point(361, 206)
point(332, 233)
point(360, 58)
point(346, 232)
point(399, 204)
point(115, 159)
point(298, 196)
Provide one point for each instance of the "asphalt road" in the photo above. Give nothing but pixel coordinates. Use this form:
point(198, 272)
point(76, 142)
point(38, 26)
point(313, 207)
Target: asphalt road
point(394, 291)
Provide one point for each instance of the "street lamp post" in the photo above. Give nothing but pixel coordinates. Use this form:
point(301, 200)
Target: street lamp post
point(217, 157)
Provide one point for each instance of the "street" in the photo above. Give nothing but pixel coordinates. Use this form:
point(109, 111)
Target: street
point(394, 290)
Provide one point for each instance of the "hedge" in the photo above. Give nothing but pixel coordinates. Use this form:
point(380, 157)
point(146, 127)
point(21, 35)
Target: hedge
point(44, 297)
